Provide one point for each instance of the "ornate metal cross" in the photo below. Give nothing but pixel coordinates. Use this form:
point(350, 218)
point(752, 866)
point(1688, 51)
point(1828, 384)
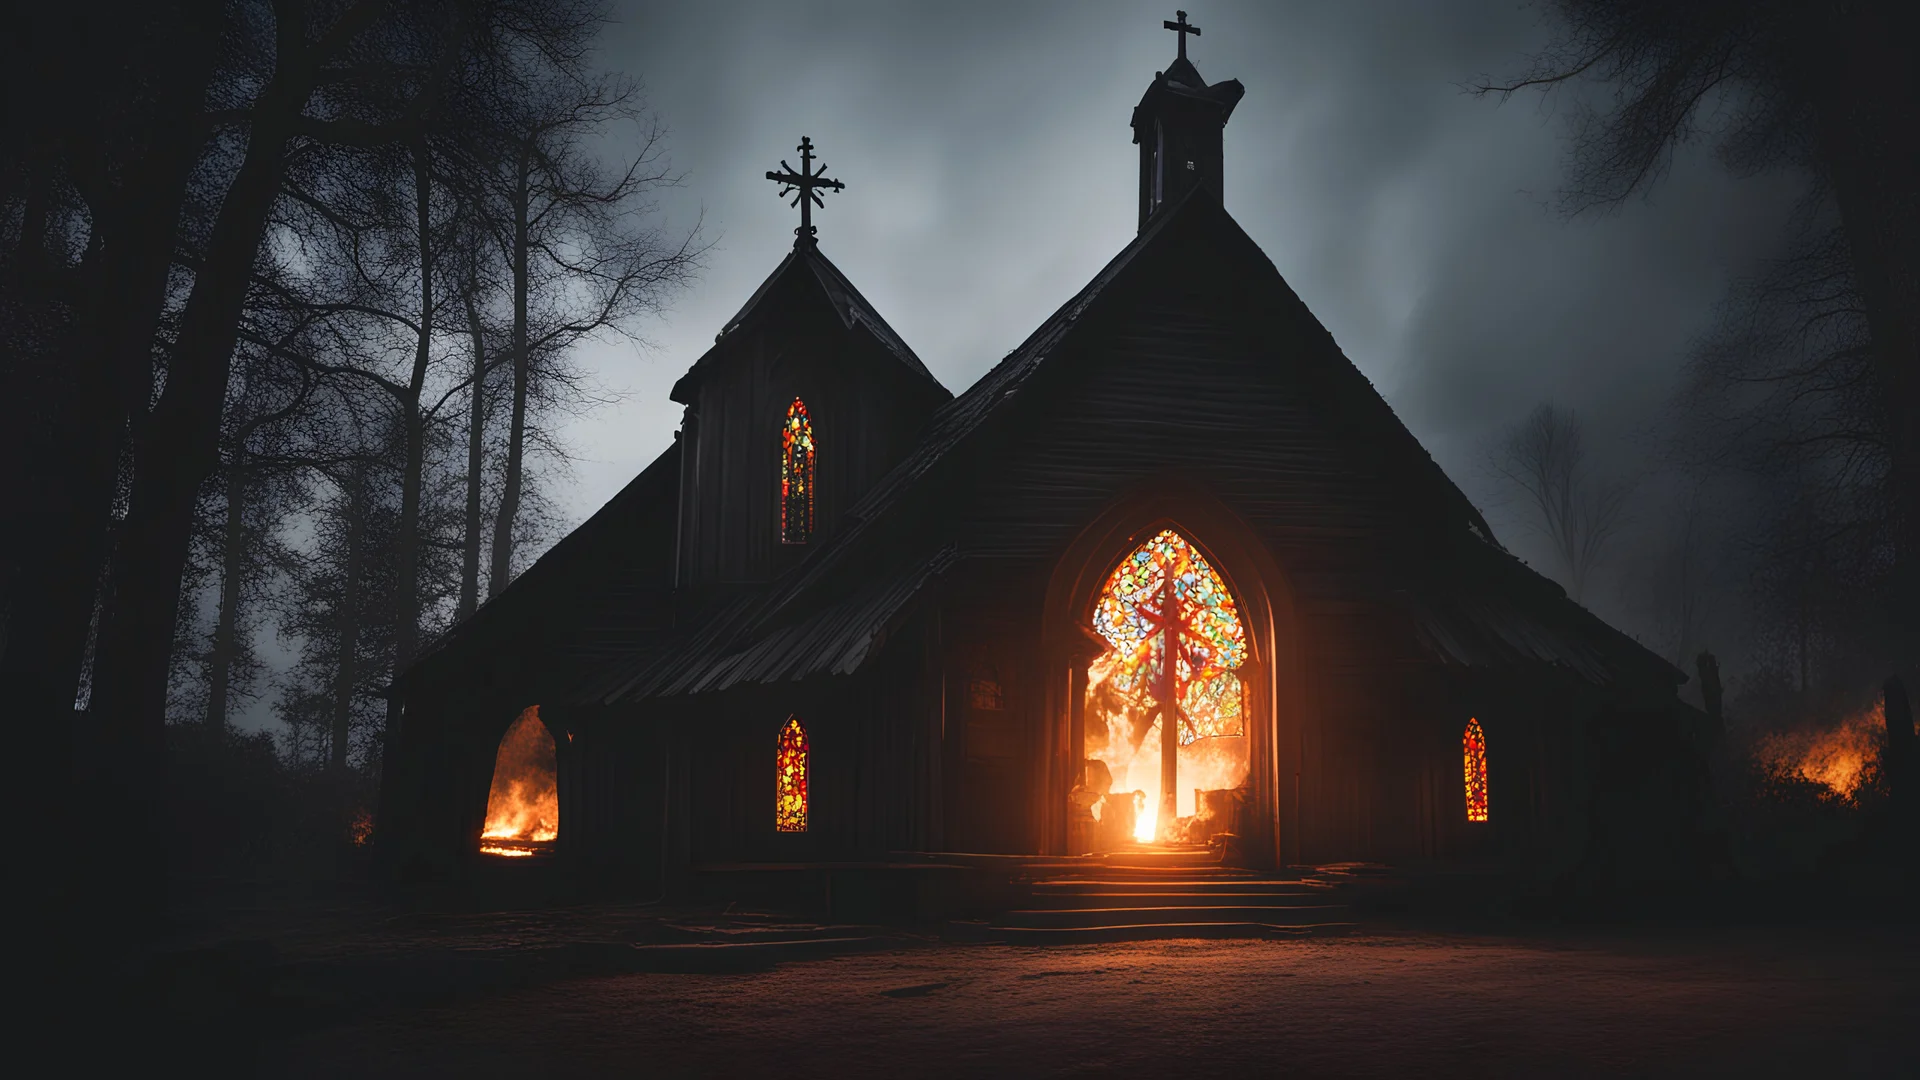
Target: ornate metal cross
point(808, 183)
point(1183, 28)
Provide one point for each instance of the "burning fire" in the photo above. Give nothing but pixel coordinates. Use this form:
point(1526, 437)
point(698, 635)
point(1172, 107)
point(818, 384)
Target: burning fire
point(360, 829)
point(1839, 758)
point(1126, 739)
point(524, 806)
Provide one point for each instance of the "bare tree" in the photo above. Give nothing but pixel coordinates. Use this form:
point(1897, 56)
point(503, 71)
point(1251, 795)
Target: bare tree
point(1828, 88)
point(1544, 458)
point(584, 251)
point(1680, 582)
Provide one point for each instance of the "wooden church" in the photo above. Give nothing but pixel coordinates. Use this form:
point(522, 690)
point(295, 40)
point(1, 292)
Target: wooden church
point(1171, 573)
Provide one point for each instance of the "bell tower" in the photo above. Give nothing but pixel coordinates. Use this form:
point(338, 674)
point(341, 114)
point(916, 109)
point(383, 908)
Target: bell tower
point(1178, 126)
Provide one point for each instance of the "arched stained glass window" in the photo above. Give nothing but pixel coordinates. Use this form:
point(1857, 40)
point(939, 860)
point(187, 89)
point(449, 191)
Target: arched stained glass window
point(790, 775)
point(796, 475)
point(1167, 585)
point(1474, 750)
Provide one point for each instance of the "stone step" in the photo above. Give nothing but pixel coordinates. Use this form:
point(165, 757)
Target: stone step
point(1174, 898)
point(1090, 935)
point(1266, 914)
point(1187, 883)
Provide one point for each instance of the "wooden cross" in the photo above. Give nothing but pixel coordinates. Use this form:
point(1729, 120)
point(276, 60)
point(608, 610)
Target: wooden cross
point(1183, 28)
point(808, 183)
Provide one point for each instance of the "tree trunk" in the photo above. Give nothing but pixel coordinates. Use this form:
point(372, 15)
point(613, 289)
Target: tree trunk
point(516, 432)
point(346, 672)
point(476, 457)
point(226, 634)
point(177, 447)
point(58, 519)
point(406, 634)
point(1866, 97)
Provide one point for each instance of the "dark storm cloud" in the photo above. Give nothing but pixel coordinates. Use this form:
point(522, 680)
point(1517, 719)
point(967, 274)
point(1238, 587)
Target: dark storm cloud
point(990, 174)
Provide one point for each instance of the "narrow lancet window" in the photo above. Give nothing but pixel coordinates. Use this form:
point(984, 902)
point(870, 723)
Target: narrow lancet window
point(790, 774)
point(796, 475)
point(1474, 751)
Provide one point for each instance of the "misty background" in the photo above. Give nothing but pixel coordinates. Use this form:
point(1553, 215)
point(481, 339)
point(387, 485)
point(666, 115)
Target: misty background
point(990, 173)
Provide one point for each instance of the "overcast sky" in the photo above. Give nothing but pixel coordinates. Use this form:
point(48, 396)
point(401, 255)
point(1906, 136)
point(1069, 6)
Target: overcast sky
point(990, 173)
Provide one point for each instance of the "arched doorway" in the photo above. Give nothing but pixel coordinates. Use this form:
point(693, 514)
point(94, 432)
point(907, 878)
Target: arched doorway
point(1275, 699)
point(1166, 736)
point(523, 806)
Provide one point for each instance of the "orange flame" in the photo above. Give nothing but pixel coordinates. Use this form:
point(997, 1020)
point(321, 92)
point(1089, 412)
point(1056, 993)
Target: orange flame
point(1838, 758)
point(524, 804)
point(1132, 755)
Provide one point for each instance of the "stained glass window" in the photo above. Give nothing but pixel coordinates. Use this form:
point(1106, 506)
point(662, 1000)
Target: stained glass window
point(796, 475)
point(790, 774)
point(1166, 590)
point(1474, 750)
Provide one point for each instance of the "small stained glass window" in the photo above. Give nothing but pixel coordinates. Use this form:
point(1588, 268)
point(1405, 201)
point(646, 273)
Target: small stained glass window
point(790, 774)
point(1474, 751)
point(796, 475)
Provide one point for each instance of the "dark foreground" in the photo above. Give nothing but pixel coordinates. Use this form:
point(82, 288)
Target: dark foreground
point(1798, 1001)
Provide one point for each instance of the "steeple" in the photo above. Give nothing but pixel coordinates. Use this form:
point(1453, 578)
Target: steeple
point(1178, 126)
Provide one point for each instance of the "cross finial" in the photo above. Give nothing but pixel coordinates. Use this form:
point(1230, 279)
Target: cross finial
point(808, 182)
point(1183, 28)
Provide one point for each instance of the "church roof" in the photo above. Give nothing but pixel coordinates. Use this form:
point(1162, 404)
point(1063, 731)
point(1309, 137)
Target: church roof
point(598, 594)
point(851, 307)
point(837, 608)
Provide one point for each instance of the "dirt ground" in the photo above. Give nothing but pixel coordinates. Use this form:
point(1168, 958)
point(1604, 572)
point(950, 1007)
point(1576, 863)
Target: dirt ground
point(1830, 1001)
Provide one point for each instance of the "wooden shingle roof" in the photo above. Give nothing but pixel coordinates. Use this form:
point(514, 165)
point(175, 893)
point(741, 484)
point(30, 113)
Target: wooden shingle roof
point(831, 612)
point(808, 267)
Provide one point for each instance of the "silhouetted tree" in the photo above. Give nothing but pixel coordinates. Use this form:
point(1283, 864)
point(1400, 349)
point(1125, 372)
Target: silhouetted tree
point(1544, 457)
point(1828, 87)
point(584, 251)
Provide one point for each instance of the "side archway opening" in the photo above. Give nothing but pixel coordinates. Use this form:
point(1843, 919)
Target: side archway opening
point(523, 806)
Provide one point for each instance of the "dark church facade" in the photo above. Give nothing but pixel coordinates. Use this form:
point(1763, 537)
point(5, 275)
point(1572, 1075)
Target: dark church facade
point(1171, 573)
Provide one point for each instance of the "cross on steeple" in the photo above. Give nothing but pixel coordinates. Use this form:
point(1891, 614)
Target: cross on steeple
point(808, 182)
point(1183, 28)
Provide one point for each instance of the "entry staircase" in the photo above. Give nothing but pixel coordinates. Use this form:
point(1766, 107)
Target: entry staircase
point(1153, 892)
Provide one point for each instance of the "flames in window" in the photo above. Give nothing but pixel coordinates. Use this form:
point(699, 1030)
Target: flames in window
point(523, 809)
point(1164, 599)
point(796, 475)
point(790, 774)
point(1474, 751)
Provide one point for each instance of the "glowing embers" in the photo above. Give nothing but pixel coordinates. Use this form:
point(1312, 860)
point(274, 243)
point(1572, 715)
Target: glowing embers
point(1164, 591)
point(790, 775)
point(1838, 761)
point(1473, 748)
point(523, 809)
point(796, 475)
